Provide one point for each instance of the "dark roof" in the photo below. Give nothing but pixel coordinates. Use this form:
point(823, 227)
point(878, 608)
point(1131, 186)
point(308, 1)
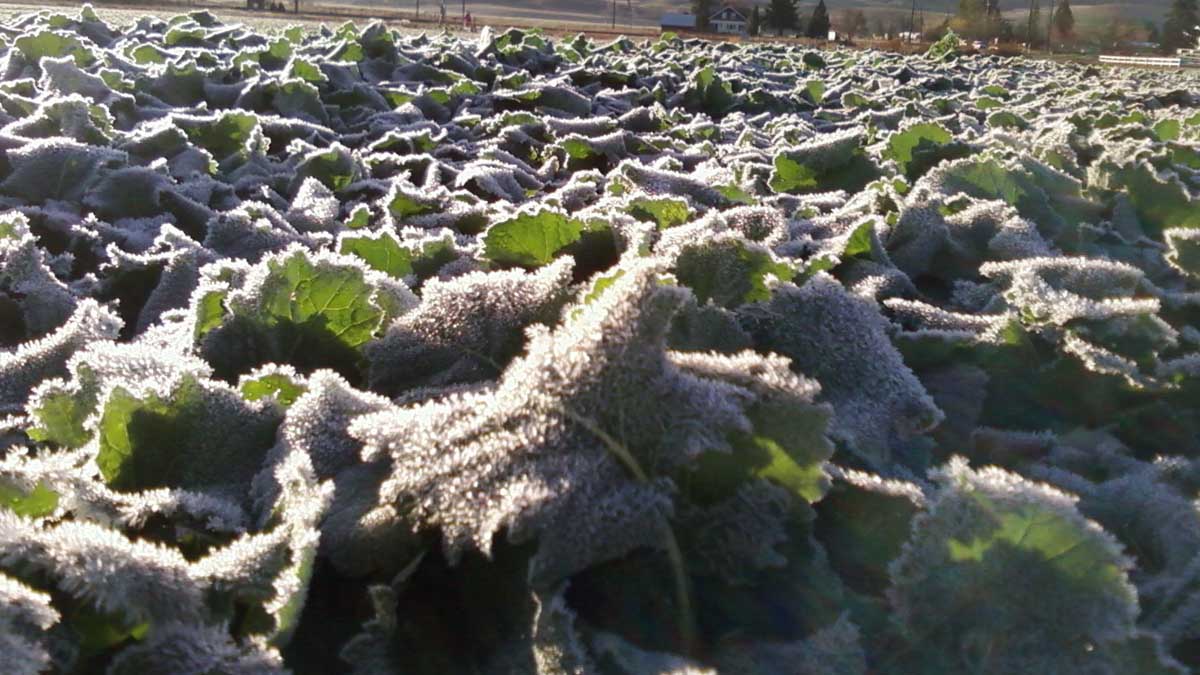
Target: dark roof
point(742, 13)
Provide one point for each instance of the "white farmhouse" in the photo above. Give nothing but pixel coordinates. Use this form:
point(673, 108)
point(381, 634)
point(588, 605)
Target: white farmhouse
point(730, 21)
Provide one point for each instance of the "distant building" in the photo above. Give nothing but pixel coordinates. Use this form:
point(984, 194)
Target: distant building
point(730, 21)
point(677, 22)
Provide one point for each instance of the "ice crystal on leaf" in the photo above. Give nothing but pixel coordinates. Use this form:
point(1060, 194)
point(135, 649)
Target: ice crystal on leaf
point(562, 448)
point(467, 328)
point(35, 361)
point(957, 589)
point(841, 341)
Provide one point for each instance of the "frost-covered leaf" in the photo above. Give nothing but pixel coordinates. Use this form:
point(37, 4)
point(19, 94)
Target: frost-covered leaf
point(466, 329)
point(841, 341)
point(729, 271)
point(617, 360)
point(1003, 575)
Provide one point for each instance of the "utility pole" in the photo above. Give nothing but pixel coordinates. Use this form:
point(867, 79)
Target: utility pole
point(418, 10)
point(614, 19)
point(912, 20)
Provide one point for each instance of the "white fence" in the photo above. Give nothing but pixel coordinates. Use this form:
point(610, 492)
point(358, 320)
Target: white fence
point(1161, 61)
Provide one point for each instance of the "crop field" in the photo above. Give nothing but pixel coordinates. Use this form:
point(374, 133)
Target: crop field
point(350, 350)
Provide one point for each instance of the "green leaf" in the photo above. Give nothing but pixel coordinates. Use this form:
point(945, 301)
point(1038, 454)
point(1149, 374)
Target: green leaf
point(944, 49)
point(730, 272)
point(147, 54)
point(382, 253)
point(39, 503)
point(919, 147)
point(995, 90)
point(1184, 155)
point(709, 93)
point(333, 299)
point(857, 244)
point(792, 176)
point(808, 481)
point(530, 239)
point(1160, 204)
point(199, 437)
point(305, 70)
point(403, 206)
point(735, 194)
point(1167, 130)
point(853, 99)
point(60, 417)
point(349, 51)
point(664, 212)
point(359, 218)
point(1006, 120)
point(335, 168)
point(432, 256)
point(815, 89)
point(988, 103)
point(990, 179)
point(228, 134)
point(50, 43)
point(185, 37)
point(309, 315)
point(863, 530)
point(10, 229)
point(787, 446)
point(210, 312)
point(272, 385)
point(578, 148)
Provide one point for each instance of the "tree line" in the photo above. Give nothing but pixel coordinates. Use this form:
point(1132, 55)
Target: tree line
point(982, 19)
point(977, 20)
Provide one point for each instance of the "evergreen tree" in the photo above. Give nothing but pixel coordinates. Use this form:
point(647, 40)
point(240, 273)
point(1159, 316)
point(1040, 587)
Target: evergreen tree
point(781, 15)
point(1064, 20)
point(1179, 28)
point(755, 22)
point(703, 9)
point(1032, 30)
point(818, 25)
